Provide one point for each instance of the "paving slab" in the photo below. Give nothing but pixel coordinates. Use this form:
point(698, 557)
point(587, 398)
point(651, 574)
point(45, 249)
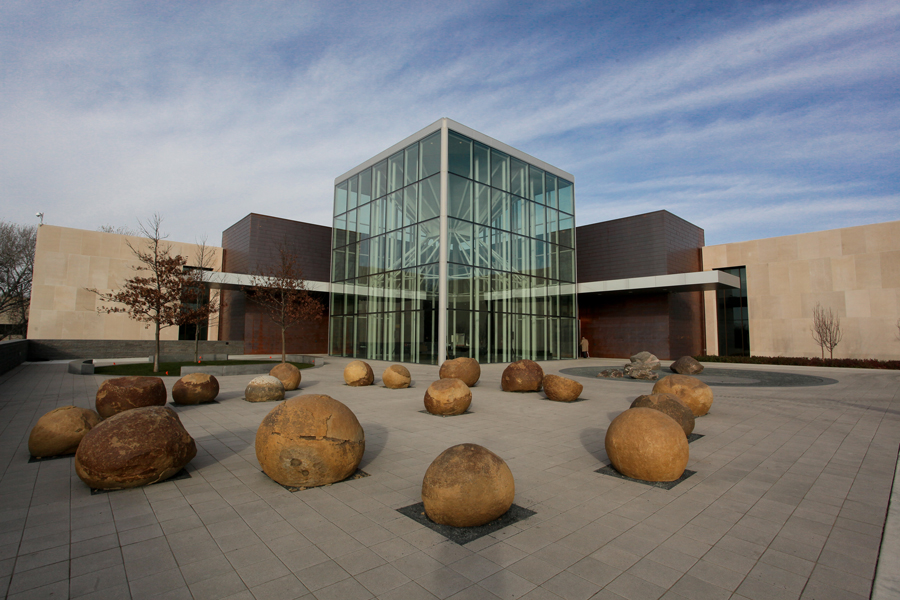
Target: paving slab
point(793, 482)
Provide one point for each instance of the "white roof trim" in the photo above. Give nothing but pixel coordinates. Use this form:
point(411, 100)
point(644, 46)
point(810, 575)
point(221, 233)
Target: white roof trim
point(679, 282)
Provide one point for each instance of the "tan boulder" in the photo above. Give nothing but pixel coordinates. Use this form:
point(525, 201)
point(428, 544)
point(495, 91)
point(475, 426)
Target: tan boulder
point(288, 374)
point(310, 440)
point(396, 377)
point(195, 388)
point(358, 374)
point(463, 368)
point(448, 397)
point(264, 388)
point(670, 405)
point(522, 376)
point(561, 389)
point(695, 394)
point(646, 444)
point(687, 365)
point(133, 448)
point(60, 431)
point(467, 486)
point(125, 393)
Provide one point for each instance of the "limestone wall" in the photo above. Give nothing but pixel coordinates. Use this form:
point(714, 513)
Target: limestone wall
point(855, 271)
point(67, 261)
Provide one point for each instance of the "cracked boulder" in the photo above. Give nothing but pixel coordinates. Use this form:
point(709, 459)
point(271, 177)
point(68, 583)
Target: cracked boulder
point(310, 440)
point(125, 393)
point(467, 486)
point(694, 393)
point(264, 388)
point(60, 431)
point(396, 377)
point(646, 444)
point(358, 373)
point(463, 368)
point(195, 388)
point(522, 376)
point(133, 448)
point(562, 389)
point(668, 404)
point(288, 374)
point(448, 397)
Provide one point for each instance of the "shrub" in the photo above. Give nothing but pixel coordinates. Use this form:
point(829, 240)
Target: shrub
point(802, 361)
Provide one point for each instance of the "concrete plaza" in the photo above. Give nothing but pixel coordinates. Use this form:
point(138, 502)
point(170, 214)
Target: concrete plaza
point(788, 501)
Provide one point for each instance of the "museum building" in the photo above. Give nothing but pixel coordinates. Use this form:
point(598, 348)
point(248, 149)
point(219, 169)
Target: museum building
point(451, 243)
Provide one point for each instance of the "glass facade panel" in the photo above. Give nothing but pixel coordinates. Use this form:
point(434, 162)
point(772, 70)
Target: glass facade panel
point(430, 155)
point(733, 318)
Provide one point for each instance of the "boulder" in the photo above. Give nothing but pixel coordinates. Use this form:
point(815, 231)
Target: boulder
point(125, 393)
point(463, 368)
point(133, 448)
point(561, 389)
point(687, 365)
point(448, 397)
point(646, 444)
point(310, 440)
point(264, 388)
point(668, 404)
point(195, 388)
point(695, 394)
point(358, 373)
point(467, 486)
point(638, 372)
point(612, 373)
point(60, 431)
point(522, 376)
point(396, 377)
point(288, 374)
point(645, 360)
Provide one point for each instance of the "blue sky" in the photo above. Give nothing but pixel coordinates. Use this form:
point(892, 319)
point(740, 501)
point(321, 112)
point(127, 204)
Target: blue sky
point(749, 119)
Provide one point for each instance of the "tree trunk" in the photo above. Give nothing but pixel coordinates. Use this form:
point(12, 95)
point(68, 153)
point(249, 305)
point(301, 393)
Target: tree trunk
point(283, 350)
point(156, 354)
point(197, 342)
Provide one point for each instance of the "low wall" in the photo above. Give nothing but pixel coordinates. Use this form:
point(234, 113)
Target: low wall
point(12, 354)
point(72, 349)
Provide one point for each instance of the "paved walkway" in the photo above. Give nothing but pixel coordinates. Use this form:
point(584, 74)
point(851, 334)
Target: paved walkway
point(788, 501)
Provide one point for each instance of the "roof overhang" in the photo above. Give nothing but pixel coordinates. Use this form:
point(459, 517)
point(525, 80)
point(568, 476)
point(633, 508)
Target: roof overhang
point(239, 281)
point(701, 281)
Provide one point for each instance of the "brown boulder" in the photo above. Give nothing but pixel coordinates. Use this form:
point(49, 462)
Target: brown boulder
point(125, 393)
point(358, 373)
point(133, 448)
point(522, 376)
point(195, 388)
point(463, 368)
point(396, 377)
point(60, 431)
point(448, 397)
point(264, 388)
point(467, 486)
point(310, 440)
point(695, 394)
point(645, 360)
point(288, 374)
point(687, 365)
point(668, 404)
point(643, 443)
point(561, 389)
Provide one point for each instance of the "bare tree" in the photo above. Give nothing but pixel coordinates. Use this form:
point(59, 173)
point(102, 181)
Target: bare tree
point(118, 229)
point(16, 270)
point(282, 294)
point(155, 298)
point(826, 329)
point(201, 304)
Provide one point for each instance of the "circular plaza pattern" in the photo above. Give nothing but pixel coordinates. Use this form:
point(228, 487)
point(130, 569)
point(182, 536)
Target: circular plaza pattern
point(716, 377)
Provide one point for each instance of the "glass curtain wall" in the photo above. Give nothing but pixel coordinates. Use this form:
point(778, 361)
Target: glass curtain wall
point(510, 258)
point(734, 321)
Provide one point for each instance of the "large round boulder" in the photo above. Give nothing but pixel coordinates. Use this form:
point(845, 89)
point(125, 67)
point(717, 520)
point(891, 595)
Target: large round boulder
point(467, 486)
point(463, 368)
point(264, 388)
point(310, 440)
point(695, 394)
point(133, 448)
point(561, 389)
point(288, 374)
point(646, 444)
point(687, 365)
point(358, 373)
point(645, 360)
point(668, 404)
point(522, 376)
point(60, 431)
point(396, 377)
point(447, 397)
point(195, 388)
point(125, 393)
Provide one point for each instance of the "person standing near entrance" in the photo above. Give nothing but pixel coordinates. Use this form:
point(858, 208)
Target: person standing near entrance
point(584, 347)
